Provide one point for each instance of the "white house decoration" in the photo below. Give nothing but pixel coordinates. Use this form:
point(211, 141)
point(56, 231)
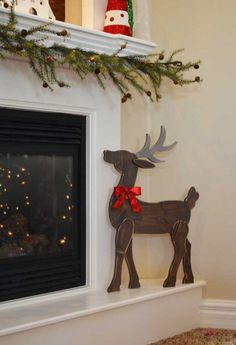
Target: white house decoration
point(39, 8)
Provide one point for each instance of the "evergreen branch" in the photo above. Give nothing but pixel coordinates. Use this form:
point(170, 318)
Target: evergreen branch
point(126, 72)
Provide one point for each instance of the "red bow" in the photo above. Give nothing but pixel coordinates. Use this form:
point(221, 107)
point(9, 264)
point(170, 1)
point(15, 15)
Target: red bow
point(129, 193)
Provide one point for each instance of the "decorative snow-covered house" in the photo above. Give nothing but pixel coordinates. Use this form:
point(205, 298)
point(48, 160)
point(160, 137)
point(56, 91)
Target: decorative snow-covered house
point(40, 8)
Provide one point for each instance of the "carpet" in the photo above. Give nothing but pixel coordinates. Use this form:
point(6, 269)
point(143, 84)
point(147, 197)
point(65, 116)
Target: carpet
point(202, 336)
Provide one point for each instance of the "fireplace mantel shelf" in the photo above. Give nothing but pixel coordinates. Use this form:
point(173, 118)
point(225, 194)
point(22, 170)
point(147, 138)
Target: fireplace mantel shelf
point(29, 313)
point(87, 39)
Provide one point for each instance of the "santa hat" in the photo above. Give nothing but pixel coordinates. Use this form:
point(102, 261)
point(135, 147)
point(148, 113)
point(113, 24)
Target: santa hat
point(119, 16)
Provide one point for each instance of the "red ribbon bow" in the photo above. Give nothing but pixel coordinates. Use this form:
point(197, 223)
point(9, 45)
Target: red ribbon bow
point(129, 193)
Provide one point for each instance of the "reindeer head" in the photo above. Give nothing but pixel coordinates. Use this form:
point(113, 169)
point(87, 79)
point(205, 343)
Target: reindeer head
point(125, 160)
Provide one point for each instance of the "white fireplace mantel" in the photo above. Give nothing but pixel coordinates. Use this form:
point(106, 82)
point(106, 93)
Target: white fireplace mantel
point(89, 315)
point(87, 39)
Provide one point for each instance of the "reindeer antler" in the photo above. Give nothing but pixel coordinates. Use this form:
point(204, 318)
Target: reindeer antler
point(149, 152)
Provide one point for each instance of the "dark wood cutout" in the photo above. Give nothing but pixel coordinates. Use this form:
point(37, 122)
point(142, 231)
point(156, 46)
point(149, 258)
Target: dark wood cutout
point(155, 218)
point(58, 8)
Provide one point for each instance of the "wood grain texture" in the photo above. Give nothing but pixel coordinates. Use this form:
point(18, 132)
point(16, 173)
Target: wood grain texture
point(155, 218)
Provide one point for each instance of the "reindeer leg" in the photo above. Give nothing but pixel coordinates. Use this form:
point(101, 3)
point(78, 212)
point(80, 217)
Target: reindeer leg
point(123, 238)
point(178, 237)
point(133, 275)
point(188, 274)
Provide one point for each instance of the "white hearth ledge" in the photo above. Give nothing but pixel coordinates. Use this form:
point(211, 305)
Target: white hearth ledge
point(26, 315)
point(86, 39)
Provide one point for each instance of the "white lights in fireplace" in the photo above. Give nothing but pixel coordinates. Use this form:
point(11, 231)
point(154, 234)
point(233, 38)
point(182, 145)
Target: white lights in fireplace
point(21, 175)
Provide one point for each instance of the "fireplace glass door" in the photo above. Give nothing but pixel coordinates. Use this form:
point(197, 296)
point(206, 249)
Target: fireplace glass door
point(42, 202)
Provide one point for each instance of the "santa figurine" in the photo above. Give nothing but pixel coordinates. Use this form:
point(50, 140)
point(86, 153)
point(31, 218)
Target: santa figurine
point(119, 17)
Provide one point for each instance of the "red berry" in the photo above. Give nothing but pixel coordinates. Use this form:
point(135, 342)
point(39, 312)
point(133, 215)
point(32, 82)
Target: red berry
point(50, 58)
point(24, 33)
point(62, 33)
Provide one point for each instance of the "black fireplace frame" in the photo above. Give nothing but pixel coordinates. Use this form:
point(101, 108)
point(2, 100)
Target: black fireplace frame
point(57, 133)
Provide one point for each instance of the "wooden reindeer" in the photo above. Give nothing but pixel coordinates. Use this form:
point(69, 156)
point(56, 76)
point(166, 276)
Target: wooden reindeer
point(129, 215)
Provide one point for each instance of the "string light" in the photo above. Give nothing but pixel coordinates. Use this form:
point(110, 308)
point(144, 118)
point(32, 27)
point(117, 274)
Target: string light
point(19, 177)
point(62, 241)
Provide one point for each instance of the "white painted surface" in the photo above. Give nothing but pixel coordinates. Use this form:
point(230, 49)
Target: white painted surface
point(41, 8)
point(140, 323)
point(94, 13)
point(27, 315)
point(21, 89)
point(129, 317)
point(141, 19)
point(87, 39)
point(218, 314)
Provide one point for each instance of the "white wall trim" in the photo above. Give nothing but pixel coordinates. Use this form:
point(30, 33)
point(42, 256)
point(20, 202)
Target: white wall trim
point(87, 39)
point(218, 313)
point(28, 316)
point(91, 211)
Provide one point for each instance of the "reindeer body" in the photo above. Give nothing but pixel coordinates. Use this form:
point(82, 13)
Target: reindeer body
point(160, 220)
point(155, 218)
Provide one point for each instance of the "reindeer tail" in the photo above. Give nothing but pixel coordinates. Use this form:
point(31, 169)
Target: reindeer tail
point(191, 198)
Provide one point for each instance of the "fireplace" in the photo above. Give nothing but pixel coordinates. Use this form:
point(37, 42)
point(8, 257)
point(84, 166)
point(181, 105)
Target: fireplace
point(42, 202)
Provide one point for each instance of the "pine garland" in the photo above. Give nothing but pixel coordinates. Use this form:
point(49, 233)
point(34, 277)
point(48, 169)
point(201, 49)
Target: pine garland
point(140, 72)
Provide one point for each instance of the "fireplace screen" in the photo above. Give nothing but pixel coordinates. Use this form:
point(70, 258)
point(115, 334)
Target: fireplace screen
point(42, 202)
point(36, 207)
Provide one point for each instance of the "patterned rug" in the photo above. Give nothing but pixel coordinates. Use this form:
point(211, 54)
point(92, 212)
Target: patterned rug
point(202, 336)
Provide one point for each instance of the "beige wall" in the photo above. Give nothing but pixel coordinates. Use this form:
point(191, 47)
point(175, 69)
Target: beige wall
point(74, 12)
point(202, 119)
